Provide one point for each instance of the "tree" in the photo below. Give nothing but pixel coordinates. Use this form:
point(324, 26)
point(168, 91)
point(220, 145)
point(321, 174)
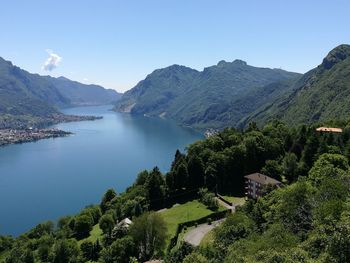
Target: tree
point(119, 251)
point(181, 176)
point(137, 209)
point(41, 229)
point(119, 231)
point(294, 207)
point(195, 172)
point(106, 200)
point(65, 251)
point(155, 188)
point(96, 250)
point(290, 167)
point(44, 252)
point(309, 153)
point(235, 169)
point(82, 226)
point(87, 249)
point(235, 227)
point(195, 258)
point(339, 243)
point(63, 222)
point(149, 234)
point(44, 247)
point(141, 178)
point(260, 148)
point(211, 175)
point(178, 253)
point(5, 243)
point(273, 169)
point(20, 255)
point(106, 223)
point(329, 165)
point(93, 211)
point(208, 199)
point(329, 200)
point(177, 159)
point(170, 181)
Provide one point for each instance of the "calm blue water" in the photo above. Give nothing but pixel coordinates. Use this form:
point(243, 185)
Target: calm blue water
point(50, 178)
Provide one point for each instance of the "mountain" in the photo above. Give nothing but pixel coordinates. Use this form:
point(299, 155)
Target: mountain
point(27, 98)
point(216, 97)
point(321, 94)
point(83, 95)
point(22, 93)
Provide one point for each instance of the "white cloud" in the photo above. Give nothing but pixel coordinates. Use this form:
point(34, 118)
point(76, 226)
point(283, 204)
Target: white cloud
point(52, 61)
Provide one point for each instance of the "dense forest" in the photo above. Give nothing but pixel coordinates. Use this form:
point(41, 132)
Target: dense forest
point(306, 220)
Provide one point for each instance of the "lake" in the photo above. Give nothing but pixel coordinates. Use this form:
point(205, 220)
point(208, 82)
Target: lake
point(50, 178)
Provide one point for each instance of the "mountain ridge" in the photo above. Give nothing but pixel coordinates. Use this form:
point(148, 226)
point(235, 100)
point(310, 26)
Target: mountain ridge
point(195, 98)
point(321, 94)
point(27, 98)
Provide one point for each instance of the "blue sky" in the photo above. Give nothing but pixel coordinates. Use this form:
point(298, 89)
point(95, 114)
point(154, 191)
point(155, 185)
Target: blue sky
point(117, 43)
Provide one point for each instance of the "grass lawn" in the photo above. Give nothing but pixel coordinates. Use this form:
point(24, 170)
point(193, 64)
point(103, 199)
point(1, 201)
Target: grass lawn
point(235, 200)
point(95, 233)
point(182, 213)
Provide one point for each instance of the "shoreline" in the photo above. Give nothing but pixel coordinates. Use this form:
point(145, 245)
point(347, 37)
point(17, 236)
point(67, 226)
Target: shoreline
point(21, 135)
point(14, 136)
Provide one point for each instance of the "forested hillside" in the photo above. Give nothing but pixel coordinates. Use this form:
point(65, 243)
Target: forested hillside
point(217, 97)
point(306, 220)
point(321, 94)
point(31, 99)
point(235, 94)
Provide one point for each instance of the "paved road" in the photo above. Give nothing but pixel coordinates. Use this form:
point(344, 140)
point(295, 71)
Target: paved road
point(196, 235)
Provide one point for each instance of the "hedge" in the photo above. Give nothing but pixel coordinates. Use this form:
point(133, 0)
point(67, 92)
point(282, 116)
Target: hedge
point(223, 199)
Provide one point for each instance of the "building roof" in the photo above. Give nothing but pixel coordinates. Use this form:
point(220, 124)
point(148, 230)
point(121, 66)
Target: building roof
point(126, 222)
point(262, 179)
point(329, 129)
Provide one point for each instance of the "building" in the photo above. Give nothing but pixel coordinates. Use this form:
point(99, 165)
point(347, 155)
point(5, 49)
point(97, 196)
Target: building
point(256, 182)
point(329, 129)
point(126, 222)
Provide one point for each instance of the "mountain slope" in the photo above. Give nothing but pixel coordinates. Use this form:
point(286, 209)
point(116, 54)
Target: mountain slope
point(28, 99)
point(20, 90)
point(216, 97)
point(322, 93)
point(22, 93)
point(81, 94)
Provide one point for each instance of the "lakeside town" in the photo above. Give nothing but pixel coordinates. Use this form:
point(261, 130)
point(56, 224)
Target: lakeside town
point(22, 133)
point(13, 136)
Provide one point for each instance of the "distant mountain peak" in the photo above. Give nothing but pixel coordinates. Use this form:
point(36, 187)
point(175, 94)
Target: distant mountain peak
point(4, 61)
point(236, 62)
point(336, 55)
point(239, 62)
point(222, 63)
point(173, 69)
point(178, 67)
point(63, 78)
